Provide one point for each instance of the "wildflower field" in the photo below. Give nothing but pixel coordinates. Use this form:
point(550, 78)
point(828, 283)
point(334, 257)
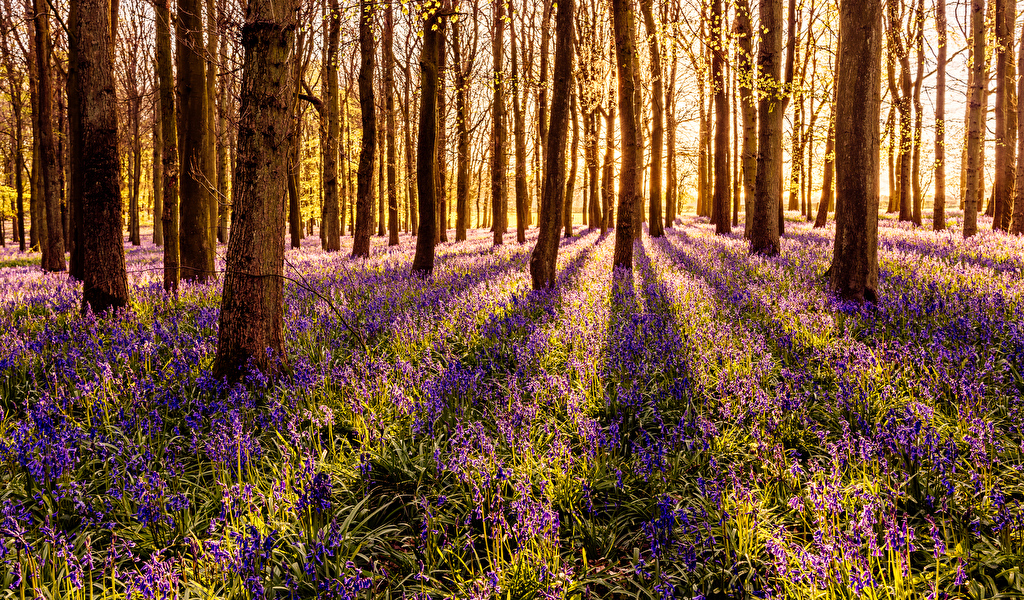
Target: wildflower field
point(710, 425)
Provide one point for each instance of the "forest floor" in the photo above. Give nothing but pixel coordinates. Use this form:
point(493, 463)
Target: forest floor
point(713, 425)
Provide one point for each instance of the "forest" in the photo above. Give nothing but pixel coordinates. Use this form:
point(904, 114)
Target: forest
point(511, 299)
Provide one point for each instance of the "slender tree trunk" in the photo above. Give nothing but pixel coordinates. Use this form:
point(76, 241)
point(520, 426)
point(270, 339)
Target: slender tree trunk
point(389, 100)
point(655, 225)
point(53, 258)
point(570, 183)
point(105, 282)
point(169, 154)
point(423, 261)
point(1017, 221)
point(498, 159)
point(252, 306)
point(364, 176)
point(625, 50)
point(672, 196)
point(134, 232)
point(764, 234)
point(721, 198)
point(854, 272)
point(441, 147)
point(223, 167)
point(918, 114)
point(829, 169)
point(590, 152)
point(608, 170)
point(210, 150)
point(158, 171)
point(974, 132)
point(542, 89)
point(545, 254)
point(901, 93)
point(196, 246)
point(331, 221)
point(14, 79)
point(410, 177)
point(519, 133)
point(939, 203)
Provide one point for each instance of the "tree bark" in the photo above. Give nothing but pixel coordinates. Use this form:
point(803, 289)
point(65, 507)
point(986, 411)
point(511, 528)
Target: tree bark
point(364, 175)
point(854, 272)
point(545, 254)
point(625, 50)
point(1002, 189)
point(939, 202)
point(721, 197)
point(498, 158)
point(655, 225)
point(747, 78)
point(1017, 220)
point(169, 217)
point(423, 261)
point(389, 100)
point(15, 81)
point(764, 234)
point(824, 204)
point(918, 115)
point(210, 150)
point(105, 282)
point(53, 258)
point(974, 132)
point(158, 170)
point(570, 183)
point(519, 134)
point(331, 220)
point(252, 306)
point(197, 249)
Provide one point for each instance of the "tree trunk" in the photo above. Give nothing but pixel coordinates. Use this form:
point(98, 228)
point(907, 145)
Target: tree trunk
point(721, 198)
point(672, 196)
point(1002, 190)
point(433, 38)
point(410, 177)
point(105, 283)
point(974, 132)
point(570, 183)
point(53, 258)
point(519, 133)
point(764, 234)
point(389, 101)
point(252, 306)
point(608, 169)
point(158, 170)
point(545, 254)
point(939, 202)
point(223, 167)
point(655, 224)
point(824, 204)
point(498, 159)
point(854, 272)
point(210, 150)
point(331, 220)
point(196, 246)
point(441, 147)
point(14, 80)
point(625, 50)
point(918, 115)
point(364, 175)
point(169, 217)
point(542, 87)
point(134, 233)
point(1017, 221)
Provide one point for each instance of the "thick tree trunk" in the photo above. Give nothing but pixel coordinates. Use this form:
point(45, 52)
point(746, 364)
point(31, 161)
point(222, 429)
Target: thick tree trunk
point(974, 132)
point(722, 185)
point(655, 225)
point(252, 306)
point(53, 258)
point(545, 254)
point(939, 202)
point(197, 249)
point(764, 234)
point(105, 283)
point(169, 154)
point(364, 175)
point(498, 158)
point(1002, 189)
point(331, 220)
point(629, 175)
point(433, 38)
point(854, 272)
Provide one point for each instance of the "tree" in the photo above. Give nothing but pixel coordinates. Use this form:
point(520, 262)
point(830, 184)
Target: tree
point(1002, 187)
point(364, 174)
point(53, 256)
point(854, 272)
point(105, 282)
point(15, 92)
point(332, 208)
point(721, 198)
point(498, 158)
point(1017, 220)
point(169, 217)
point(625, 50)
point(389, 108)
point(519, 135)
point(655, 224)
point(197, 247)
point(974, 130)
point(749, 109)
point(545, 254)
point(252, 306)
point(764, 233)
point(433, 38)
point(939, 201)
